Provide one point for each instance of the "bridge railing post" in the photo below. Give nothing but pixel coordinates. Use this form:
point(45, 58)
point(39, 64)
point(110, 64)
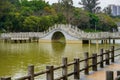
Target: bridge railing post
point(76, 68)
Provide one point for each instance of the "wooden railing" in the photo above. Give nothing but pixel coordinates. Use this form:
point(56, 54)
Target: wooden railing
point(105, 57)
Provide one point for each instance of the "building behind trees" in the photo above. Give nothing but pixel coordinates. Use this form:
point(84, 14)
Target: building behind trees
point(115, 10)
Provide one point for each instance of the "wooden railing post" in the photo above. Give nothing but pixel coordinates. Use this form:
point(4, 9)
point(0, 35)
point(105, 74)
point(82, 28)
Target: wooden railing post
point(7, 78)
point(31, 72)
point(101, 58)
point(107, 57)
point(113, 41)
point(94, 62)
point(109, 75)
point(76, 68)
point(86, 64)
point(112, 54)
point(64, 69)
point(50, 73)
point(118, 75)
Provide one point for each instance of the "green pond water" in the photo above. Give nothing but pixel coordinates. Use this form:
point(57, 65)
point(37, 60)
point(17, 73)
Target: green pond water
point(14, 58)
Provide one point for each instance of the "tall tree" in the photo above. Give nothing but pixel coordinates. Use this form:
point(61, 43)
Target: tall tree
point(81, 19)
point(67, 6)
point(16, 2)
point(37, 6)
point(6, 9)
point(107, 10)
point(93, 21)
point(31, 23)
point(106, 23)
point(90, 5)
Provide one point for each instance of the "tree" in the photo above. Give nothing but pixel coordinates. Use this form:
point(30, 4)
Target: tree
point(61, 18)
point(81, 19)
point(15, 2)
point(57, 7)
point(106, 23)
point(49, 11)
point(107, 10)
point(98, 10)
point(37, 6)
point(90, 5)
point(17, 22)
point(31, 23)
point(5, 15)
point(26, 11)
point(93, 21)
point(46, 22)
point(67, 6)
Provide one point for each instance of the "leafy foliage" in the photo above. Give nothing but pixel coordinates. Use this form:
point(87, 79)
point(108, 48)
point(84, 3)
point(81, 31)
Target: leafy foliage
point(90, 5)
point(38, 15)
point(81, 18)
point(67, 8)
point(106, 23)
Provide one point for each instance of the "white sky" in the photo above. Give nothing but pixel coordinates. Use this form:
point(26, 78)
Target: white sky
point(103, 3)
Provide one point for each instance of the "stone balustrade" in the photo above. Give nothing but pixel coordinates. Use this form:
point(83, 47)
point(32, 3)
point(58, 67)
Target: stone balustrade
point(69, 29)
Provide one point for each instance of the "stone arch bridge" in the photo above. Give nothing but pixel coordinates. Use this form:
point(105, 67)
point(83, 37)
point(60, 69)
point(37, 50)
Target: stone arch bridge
point(71, 34)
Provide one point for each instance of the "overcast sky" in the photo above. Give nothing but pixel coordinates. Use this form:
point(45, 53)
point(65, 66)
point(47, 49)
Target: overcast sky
point(103, 3)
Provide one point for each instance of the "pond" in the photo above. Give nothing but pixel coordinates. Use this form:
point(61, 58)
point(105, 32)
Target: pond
point(15, 57)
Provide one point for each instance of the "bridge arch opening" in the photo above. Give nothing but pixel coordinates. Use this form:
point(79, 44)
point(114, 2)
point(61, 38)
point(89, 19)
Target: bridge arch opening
point(58, 37)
